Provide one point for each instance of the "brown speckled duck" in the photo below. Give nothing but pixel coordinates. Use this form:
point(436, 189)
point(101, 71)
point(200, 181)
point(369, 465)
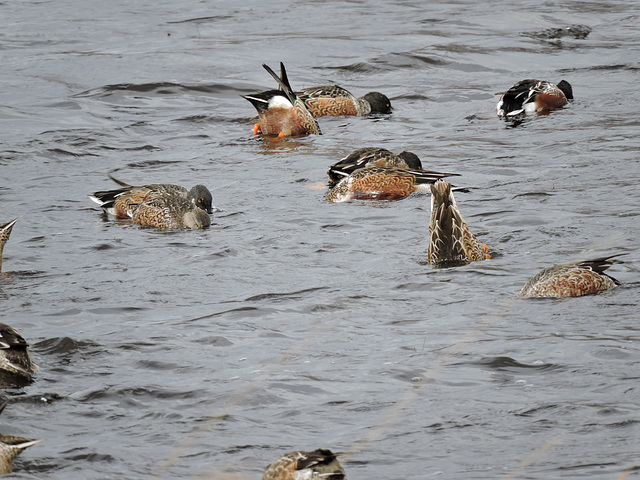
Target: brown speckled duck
point(450, 240)
point(383, 183)
point(10, 447)
point(371, 157)
point(332, 100)
point(320, 464)
point(571, 280)
point(170, 212)
point(158, 205)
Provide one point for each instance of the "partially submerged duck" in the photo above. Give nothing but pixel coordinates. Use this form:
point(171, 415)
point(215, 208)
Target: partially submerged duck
point(371, 157)
point(321, 464)
point(10, 447)
point(383, 183)
point(14, 353)
point(450, 240)
point(170, 212)
point(571, 280)
point(281, 112)
point(332, 100)
point(5, 231)
point(533, 96)
point(158, 205)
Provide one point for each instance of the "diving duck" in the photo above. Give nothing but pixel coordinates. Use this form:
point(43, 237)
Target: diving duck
point(450, 240)
point(533, 96)
point(371, 157)
point(332, 100)
point(320, 464)
point(5, 231)
point(10, 447)
point(571, 280)
point(281, 112)
point(158, 205)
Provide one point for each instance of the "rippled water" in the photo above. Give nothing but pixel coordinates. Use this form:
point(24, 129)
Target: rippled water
point(296, 324)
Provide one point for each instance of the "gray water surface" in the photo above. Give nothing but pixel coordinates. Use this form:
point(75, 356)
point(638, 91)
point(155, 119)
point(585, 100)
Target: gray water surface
point(292, 323)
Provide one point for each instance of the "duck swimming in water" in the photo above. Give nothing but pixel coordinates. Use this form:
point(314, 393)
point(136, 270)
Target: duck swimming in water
point(533, 96)
point(158, 205)
point(320, 464)
point(571, 280)
point(332, 100)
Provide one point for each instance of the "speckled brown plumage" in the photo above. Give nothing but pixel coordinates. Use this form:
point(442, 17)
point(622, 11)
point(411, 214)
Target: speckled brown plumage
point(450, 240)
point(371, 157)
point(5, 232)
point(571, 280)
point(533, 96)
point(332, 100)
point(382, 183)
point(14, 353)
point(325, 106)
point(170, 212)
point(120, 202)
point(10, 447)
point(320, 464)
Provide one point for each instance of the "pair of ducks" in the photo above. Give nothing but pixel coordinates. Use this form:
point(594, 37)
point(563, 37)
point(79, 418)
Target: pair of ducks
point(284, 112)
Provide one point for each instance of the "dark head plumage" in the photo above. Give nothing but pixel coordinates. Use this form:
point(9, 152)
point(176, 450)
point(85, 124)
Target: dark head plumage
point(201, 197)
point(413, 161)
point(566, 89)
point(379, 102)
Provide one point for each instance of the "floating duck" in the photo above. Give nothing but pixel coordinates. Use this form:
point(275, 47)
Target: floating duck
point(158, 205)
point(383, 183)
point(320, 464)
point(533, 96)
point(571, 280)
point(281, 112)
point(371, 157)
point(332, 100)
point(450, 240)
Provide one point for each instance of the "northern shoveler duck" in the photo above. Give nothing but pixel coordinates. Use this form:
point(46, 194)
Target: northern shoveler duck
point(450, 240)
point(320, 464)
point(170, 212)
point(571, 280)
point(281, 112)
point(5, 231)
point(533, 96)
point(333, 100)
point(158, 205)
point(10, 447)
point(383, 183)
point(371, 157)
point(14, 353)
